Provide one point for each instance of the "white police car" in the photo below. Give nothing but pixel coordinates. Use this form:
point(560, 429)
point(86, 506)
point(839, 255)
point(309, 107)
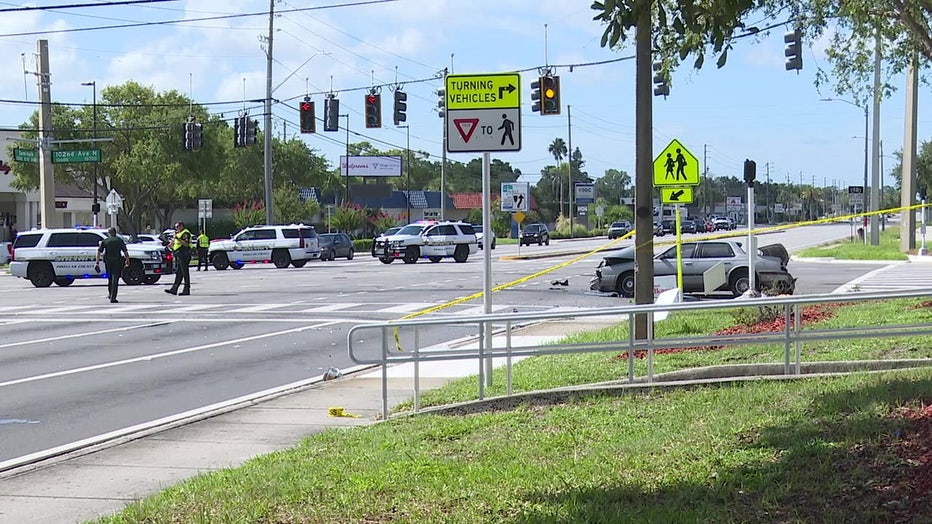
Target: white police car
point(431, 240)
point(293, 244)
point(61, 256)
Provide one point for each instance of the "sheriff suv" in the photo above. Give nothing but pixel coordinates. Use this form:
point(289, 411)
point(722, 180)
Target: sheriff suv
point(431, 240)
point(44, 256)
point(293, 244)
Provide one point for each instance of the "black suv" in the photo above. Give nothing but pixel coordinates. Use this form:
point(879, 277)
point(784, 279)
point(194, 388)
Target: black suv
point(534, 234)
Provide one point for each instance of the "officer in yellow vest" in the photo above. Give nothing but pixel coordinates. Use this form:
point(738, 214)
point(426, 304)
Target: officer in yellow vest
point(203, 242)
point(181, 250)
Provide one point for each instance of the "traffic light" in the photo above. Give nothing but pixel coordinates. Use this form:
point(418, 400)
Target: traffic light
point(550, 95)
point(251, 129)
point(400, 106)
point(238, 132)
point(331, 113)
point(441, 104)
point(750, 172)
point(373, 110)
point(535, 96)
point(192, 135)
point(308, 117)
point(661, 87)
point(794, 56)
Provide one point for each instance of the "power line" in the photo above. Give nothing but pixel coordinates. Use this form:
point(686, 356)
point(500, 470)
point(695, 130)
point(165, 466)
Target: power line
point(73, 6)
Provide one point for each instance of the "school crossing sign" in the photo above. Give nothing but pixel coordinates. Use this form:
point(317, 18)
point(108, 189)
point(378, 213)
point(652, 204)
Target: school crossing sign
point(483, 112)
point(676, 166)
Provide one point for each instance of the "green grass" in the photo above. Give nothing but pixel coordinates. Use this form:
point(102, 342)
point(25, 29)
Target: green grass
point(810, 450)
point(888, 248)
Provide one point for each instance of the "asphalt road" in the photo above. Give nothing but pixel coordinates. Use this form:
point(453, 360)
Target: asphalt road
point(74, 366)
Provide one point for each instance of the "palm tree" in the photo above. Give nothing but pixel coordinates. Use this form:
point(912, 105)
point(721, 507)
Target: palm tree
point(557, 149)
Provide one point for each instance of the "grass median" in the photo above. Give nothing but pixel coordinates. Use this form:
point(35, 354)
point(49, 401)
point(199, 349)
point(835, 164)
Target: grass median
point(887, 249)
point(840, 449)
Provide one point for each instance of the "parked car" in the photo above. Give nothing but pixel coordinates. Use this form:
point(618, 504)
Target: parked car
point(480, 233)
point(387, 233)
point(536, 233)
point(333, 245)
point(658, 229)
point(616, 270)
point(282, 245)
point(669, 226)
point(688, 226)
point(428, 239)
point(723, 223)
point(619, 229)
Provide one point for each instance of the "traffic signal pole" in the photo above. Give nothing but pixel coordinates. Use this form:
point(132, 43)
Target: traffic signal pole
point(267, 135)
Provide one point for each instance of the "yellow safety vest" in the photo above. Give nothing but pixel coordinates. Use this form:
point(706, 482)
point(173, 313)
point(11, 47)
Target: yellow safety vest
point(203, 241)
point(176, 245)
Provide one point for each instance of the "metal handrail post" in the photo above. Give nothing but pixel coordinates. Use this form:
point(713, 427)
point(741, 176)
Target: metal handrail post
point(508, 356)
point(796, 329)
point(417, 371)
point(385, 373)
point(481, 359)
point(631, 348)
point(786, 346)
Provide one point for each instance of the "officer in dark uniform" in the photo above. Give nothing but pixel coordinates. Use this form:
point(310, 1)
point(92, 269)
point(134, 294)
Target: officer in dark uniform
point(181, 250)
point(111, 248)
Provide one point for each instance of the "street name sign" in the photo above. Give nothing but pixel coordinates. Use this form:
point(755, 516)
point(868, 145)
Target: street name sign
point(75, 156)
point(676, 166)
point(483, 112)
point(676, 195)
point(26, 155)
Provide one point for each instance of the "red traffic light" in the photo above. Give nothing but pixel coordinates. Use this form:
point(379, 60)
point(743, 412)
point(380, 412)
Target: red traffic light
point(305, 106)
point(370, 99)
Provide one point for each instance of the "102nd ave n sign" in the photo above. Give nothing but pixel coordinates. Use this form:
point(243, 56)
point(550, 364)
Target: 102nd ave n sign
point(58, 156)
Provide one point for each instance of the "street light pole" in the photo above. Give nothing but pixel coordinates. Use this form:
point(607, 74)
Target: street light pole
point(407, 129)
point(866, 147)
point(95, 207)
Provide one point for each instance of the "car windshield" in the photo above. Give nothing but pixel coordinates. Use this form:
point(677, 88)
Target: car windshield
point(411, 229)
point(477, 229)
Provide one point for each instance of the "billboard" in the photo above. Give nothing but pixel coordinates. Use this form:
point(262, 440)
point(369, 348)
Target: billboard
point(371, 166)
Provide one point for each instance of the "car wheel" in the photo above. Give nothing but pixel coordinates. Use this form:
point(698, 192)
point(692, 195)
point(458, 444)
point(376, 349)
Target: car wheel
point(435, 259)
point(412, 253)
point(739, 282)
point(386, 260)
point(236, 265)
point(64, 281)
point(350, 255)
point(41, 274)
point(540, 242)
point(221, 261)
point(298, 263)
point(134, 275)
point(151, 279)
point(547, 242)
point(281, 258)
point(461, 253)
point(625, 284)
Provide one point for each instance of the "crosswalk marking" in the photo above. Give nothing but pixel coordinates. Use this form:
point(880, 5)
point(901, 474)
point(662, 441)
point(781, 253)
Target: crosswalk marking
point(258, 308)
point(330, 308)
point(408, 308)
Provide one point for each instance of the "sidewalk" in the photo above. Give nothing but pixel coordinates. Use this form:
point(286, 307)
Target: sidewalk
point(90, 484)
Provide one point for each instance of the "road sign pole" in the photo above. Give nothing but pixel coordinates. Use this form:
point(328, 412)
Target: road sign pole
point(679, 250)
point(752, 249)
point(487, 259)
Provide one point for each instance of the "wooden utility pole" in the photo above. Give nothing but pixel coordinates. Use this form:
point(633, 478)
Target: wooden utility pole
point(643, 169)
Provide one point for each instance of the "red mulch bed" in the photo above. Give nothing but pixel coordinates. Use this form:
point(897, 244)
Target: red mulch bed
point(808, 315)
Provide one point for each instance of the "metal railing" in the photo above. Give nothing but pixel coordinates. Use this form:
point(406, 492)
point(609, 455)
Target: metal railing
point(399, 341)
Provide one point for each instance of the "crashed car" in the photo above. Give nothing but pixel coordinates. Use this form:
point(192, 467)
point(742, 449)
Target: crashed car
point(615, 272)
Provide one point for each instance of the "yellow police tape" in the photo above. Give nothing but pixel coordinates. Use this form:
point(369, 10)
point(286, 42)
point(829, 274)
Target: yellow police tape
point(612, 243)
point(339, 412)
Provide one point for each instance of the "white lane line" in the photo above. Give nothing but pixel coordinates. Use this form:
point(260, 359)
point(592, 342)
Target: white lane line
point(171, 308)
point(78, 335)
point(167, 354)
point(330, 307)
point(62, 309)
point(256, 309)
point(407, 308)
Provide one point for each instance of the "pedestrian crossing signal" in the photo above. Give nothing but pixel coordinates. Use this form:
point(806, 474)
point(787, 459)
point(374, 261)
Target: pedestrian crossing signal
point(550, 95)
point(373, 110)
point(308, 116)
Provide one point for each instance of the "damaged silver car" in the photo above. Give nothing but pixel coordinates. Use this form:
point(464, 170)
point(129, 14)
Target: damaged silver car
point(615, 272)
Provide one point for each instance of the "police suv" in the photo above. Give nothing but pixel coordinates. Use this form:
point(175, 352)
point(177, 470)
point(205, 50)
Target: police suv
point(44, 256)
point(430, 240)
point(293, 244)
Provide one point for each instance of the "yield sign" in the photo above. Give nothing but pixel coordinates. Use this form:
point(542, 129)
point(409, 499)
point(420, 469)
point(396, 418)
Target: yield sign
point(466, 126)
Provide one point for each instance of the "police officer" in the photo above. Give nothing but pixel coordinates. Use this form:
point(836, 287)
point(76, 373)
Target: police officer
point(181, 249)
point(111, 248)
point(203, 242)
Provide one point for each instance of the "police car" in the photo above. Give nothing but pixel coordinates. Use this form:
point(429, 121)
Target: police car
point(293, 244)
point(61, 256)
point(431, 240)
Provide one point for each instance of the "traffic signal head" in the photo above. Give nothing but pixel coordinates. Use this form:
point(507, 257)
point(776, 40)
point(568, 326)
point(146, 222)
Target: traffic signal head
point(198, 136)
point(238, 132)
point(441, 104)
point(750, 172)
point(373, 110)
point(400, 106)
point(794, 57)
point(661, 87)
point(550, 95)
point(331, 114)
point(251, 129)
point(308, 116)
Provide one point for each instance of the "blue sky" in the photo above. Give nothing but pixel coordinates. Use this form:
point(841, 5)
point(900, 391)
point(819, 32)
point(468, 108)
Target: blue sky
point(752, 108)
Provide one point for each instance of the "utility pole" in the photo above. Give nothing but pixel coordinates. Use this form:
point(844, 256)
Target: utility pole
point(875, 161)
point(644, 165)
point(46, 169)
point(767, 195)
point(95, 208)
point(705, 177)
point(908, 179)
point(267, 134)
point(443, 162)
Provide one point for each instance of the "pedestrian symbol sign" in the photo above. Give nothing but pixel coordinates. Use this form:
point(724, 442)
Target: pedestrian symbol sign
point(676, 166)
point(483, 112)
point(676, 195)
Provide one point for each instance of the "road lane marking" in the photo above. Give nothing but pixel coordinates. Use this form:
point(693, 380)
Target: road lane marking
point(77, 335)
point(166, 354)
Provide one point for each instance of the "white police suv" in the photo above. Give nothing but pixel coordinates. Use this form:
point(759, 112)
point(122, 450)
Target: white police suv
point(44, 256)
point(293, 244)
point(431, 240)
